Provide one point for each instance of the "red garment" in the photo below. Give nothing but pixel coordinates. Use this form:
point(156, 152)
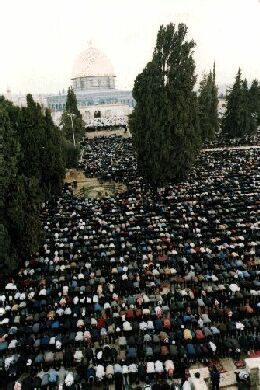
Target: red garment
point(130, 314)
point(101, 323)
point(199, 334)
point(167, 324)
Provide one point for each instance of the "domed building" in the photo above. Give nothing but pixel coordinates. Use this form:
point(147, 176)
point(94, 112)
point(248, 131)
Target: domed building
point(93, 81)
point(93, 70)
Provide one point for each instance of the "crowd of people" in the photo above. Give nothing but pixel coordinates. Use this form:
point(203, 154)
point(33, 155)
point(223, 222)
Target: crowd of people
point(115, 120)
point(130, 290)
point(109, 158)
point(221, 140)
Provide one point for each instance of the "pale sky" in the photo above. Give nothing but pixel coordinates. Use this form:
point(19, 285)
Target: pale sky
point(40, 39)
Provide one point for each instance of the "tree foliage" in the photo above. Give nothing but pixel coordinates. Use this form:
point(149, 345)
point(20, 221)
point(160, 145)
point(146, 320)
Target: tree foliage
point(208, 106)
point(32, 162)
point(242, 115)
point(72, 154)
point(165, 123)
point(254, 101)
point(71, 120)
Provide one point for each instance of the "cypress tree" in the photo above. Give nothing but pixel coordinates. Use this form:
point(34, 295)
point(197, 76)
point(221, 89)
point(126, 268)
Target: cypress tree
point(208, 106)
point(254, 104)
point(165, 123)
point(53, 157)
point(71, 103)
point(32, 170)
point(245, 117)
point(71, 120)
point(31, 135)
point(214, 105)
point(240, 117)
point(9, 154)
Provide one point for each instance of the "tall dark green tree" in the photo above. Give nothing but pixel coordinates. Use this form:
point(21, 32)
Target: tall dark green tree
point(232, 125)
point(9, 155)
point(42, 153)
point(32, 170)
point(71, 103)
point(31, 137)
point(23, 215)
point(71, 120)
point(239, 120)
point(246, 115)
point(53, 156)
point(208, 106)
point(164, 123)
point(20, 204)
point(72, 154)
point(254, 102)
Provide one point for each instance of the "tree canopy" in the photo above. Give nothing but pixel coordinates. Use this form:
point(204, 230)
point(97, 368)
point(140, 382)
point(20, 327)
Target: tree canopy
point(33, 168)
point(73, 127)
point(208, 106)
point(254, 101)
point(242, 114)
point(164, 123)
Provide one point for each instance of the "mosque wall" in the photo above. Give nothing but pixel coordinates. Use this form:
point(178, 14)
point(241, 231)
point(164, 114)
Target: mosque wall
point(93, 83)
point(92, 98)
point(100, 115)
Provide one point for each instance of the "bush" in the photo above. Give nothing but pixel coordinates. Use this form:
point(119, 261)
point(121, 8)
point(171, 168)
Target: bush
point(71, 154)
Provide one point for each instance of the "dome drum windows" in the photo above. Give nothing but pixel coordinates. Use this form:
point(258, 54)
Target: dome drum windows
point(82, 84)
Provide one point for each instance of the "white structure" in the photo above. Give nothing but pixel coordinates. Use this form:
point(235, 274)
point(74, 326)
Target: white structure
point(93, 81)
point(20, 99)
point(253, 366)
point(93, 70)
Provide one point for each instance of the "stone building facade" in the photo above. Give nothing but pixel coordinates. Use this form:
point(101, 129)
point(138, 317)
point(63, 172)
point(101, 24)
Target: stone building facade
point(93, 81)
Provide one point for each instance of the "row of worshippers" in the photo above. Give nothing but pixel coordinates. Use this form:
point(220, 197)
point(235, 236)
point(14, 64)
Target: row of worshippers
point(140, 285)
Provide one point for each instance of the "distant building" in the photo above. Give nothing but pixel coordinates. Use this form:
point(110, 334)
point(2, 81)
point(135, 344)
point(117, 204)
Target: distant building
point(93, 81)
point(19, 99)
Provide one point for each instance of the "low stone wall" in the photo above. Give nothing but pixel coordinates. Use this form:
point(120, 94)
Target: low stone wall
point(253, 365)
point(92, 187)
point(107, 133)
